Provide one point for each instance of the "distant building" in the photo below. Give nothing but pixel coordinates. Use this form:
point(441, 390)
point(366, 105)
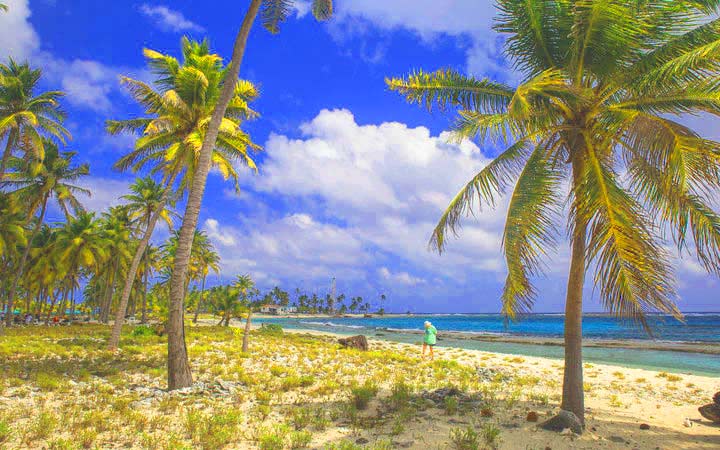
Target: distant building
point(277, 309)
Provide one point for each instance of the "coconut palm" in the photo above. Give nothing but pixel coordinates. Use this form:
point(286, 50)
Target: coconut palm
point(274, 12)
point(24, 116)
point(226, 302)
point(602, 81)
point(81, 245)
point(246, 286)
point(12, 223)
point(178, 112)
point(36, 182)
point(208, 260)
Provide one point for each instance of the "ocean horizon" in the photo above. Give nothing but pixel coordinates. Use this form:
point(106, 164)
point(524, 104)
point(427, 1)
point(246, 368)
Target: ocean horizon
point(674, 346)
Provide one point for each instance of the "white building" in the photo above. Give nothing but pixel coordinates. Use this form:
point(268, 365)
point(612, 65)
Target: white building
point(277, 309)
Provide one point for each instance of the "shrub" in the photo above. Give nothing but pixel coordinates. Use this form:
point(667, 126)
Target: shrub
point(5, 432)
point(142, 331)
point(273, 439)
point(399, 396)
point(464, 439)
point(300, 439)
point(271, 329)
point(451, 405)
point(361, 395)
point(491, 435)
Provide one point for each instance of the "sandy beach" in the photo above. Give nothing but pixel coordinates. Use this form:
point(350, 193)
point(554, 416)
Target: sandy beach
point(300, 389)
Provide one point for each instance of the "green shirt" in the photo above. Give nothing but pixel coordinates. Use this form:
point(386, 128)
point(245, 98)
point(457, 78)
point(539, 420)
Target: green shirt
point(430, 335)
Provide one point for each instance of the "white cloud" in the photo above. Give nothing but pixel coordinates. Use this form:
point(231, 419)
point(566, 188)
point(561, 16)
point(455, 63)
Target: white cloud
point(89, 84)
point(363, 198)
point(470, 20)
point(18, 38)
point(106, 192)
point(169, 20)
point(400, 277)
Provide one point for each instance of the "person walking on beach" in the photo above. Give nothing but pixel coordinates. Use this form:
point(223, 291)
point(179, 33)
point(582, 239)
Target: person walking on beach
point(429, 339)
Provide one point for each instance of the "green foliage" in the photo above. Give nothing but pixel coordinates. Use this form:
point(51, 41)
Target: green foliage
point(5, 431)
point(142, 331)
point(211, 431)
point(361, 395)
point(465, 439)
point(271, 329)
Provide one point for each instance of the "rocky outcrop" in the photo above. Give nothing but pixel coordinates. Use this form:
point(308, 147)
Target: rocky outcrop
point(711, 411)
point(563, 421)
point(358, 342)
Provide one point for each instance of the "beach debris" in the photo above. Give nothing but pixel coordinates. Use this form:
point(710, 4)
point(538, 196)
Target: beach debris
point(490, 374)
point(358, 342)
point(566, 432)
point(486, 412)
point(687, 422)
point(564, 419)
point(644, 426)
point(361, 441)
point(532, 416)
point(711, 411)
point(439, 395)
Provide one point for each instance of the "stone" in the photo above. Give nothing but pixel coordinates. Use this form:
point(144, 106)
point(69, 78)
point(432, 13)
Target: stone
point(644, 426)
point(711, 412)
point(716, 398)
point(357, 342)
point(486, 412)
point(438, 396)
point(566, 432)
point(532, 416)
point(564, 419)
point(361, 441)
point(687, 423)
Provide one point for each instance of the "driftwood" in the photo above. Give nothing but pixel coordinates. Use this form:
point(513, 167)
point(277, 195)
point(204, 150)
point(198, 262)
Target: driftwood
point(359, 342)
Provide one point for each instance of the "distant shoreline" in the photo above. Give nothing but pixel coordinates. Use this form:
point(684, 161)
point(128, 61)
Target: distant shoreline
point(706, 348)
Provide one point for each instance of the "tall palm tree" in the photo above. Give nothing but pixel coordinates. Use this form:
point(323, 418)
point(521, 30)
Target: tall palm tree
point(274, 12)
point(178, 112)
point(246, 286)
point(602, 81)
point(208, 260)
point(226, 301)
point(117, 226)
point(24, 116)
point(36, 182)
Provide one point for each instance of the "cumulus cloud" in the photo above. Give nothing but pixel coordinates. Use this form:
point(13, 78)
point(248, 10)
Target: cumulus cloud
point(18, 38)
point(89, 84)
point(470, 20)
point(363, 198)
point(169, 20)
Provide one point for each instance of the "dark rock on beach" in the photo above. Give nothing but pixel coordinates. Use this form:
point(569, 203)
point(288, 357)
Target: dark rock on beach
point(358, 342)
point(564, 420)
point(711, 411)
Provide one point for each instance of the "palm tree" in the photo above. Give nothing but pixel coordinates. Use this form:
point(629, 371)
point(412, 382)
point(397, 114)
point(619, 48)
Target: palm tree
point(274, 12)
point(602, 81)
point(171, 135)
point(208, 260)
point(4, 7)
point(245, 286)
point(147, 203)
point(227, 303)
point(35, 182)
point(24, 117)
point(12, 223)
point(81, 244)
point(116, 225)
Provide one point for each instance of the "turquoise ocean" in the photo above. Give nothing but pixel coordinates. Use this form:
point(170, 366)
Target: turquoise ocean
point(488, 331)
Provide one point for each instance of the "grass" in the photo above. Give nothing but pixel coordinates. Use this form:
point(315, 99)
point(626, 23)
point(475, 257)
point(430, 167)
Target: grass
point(291, 391)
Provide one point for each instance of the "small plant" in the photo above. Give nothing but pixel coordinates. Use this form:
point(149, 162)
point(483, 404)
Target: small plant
point(399, 396)
point(361, 395)
point(464, 439)
point(273, 439)
point(5, 431)
point(491, 435)
point(300, 439)
point(271, 329)
point(143, 331)
point(451, 405)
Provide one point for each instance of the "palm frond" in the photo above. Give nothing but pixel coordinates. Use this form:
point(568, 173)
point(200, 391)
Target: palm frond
point(530, 229)
point(322, 9)
point(274, 13)
point(450, 88)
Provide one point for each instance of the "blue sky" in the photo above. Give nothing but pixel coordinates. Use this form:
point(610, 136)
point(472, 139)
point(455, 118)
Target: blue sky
point(351, 178)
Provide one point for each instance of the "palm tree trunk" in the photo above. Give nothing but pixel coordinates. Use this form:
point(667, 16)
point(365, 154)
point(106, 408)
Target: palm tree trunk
point(137, 258)
point(179, 375)
point(51, 308)
point(573, 395)
point(6, 153)
point(200, 301)
point(23, 262)
point(145, 292)
point(246, 334)
point(72, 304)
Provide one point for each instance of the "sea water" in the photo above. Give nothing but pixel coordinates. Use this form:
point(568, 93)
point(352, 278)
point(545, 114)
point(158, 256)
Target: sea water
point(697, 328)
